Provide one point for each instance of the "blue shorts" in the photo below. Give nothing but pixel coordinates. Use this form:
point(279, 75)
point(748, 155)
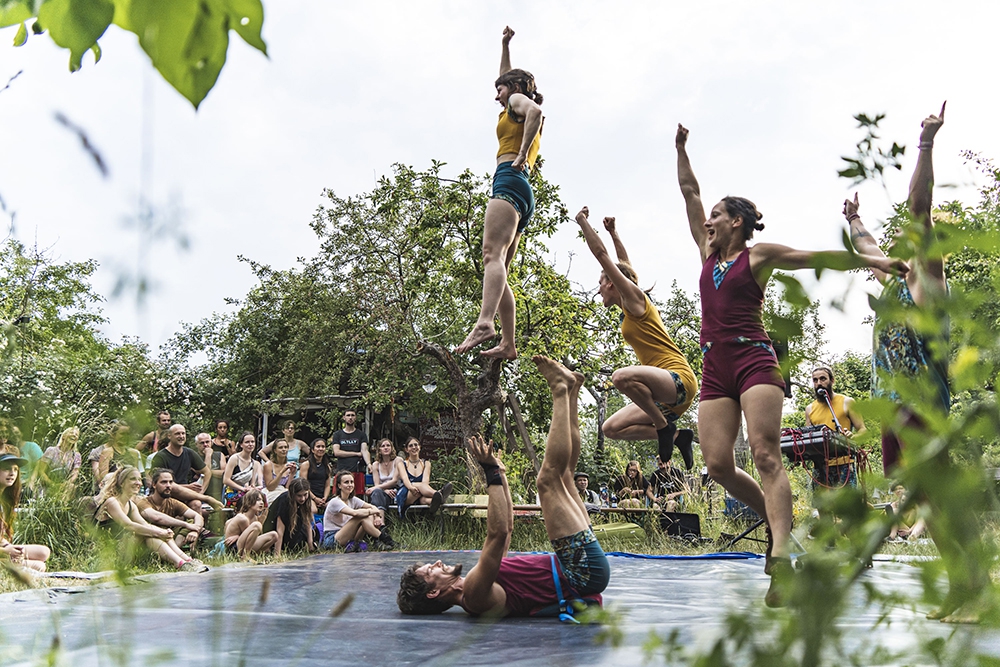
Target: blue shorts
point(330, 539)
point(511, 185)
point(583, 562)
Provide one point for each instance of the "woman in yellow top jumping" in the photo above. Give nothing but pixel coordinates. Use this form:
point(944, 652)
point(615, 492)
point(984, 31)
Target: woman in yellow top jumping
point(663, 386)
point(511, 205)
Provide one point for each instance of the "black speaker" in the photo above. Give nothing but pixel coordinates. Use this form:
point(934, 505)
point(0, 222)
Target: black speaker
point(681, 524)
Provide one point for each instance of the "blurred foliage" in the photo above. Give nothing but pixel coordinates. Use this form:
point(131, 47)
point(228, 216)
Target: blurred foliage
point(186, 40)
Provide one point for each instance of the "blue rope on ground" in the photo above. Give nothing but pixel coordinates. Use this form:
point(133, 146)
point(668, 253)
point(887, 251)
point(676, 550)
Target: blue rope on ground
point(728, 555)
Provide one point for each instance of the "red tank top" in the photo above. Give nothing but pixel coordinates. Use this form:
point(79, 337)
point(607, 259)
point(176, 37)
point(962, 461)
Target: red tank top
point(528, 582)
point(733, 310)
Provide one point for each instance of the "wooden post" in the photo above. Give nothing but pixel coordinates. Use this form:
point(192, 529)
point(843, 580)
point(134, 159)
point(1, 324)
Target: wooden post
point(515, 410)
point(511, 443)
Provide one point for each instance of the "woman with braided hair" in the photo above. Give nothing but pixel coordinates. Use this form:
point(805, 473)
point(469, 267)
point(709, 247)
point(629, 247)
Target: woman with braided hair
point(740, 372)
point(519, 131)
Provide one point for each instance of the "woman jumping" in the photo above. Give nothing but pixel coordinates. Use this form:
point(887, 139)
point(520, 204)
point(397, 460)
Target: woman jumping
point(740, 369)
point(663, 385)
point(511, 205)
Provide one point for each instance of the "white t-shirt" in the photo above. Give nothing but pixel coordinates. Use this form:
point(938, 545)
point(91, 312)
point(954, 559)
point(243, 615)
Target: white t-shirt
point(334, 517)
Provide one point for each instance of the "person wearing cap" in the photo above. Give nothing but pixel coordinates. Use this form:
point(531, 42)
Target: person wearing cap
point(839, 471)
point(32, 556)
point(590, 499)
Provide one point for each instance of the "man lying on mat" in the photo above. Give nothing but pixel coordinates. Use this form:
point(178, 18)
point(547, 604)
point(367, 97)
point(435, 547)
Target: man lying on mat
point(536, 585)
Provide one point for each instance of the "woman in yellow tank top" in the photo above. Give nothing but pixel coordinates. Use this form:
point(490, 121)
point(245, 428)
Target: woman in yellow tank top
point(663, 385)
point(511, 205)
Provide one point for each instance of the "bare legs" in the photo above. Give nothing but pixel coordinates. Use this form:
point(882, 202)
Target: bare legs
point(718, 424)
point(564, 511)
point(167, 550)
point(645, 386)
point(356, 528)
point(252, 541)
point(500, 239)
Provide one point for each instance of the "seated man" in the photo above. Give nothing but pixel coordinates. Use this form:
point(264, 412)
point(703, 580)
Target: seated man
point(525, 585)
point(841, 471)
point(590, 499)
point(161, 509)
point(186, 464)
point(668, 485)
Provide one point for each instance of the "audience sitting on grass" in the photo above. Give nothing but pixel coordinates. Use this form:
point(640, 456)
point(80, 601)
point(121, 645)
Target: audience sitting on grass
point(317, 469)
point(668, 485)
point(591, 501)
point(385, 476)
point(245, 532)
point(187, 465)
point(221, 442)
point(291, 516)
point(909, 524)
point(632, 488)
point(242, 472)
point(414, 477)
point(160, 509)
point(297, 449)
point(32, 556)
point(349, 521)
point(60, 464)
point(118, 513)
point(215, 460)
point(10, 438)
point(109, 457)
point(278, 471)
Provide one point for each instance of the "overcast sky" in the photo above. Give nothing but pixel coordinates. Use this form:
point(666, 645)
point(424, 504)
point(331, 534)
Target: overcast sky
point(768, 90)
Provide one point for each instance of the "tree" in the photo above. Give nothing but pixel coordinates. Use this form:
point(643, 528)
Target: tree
point(186, 40)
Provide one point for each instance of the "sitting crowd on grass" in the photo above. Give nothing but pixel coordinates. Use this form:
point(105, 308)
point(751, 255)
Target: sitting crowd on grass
point(165, 495)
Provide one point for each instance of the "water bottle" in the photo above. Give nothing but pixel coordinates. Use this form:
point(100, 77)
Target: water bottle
point(614, 500)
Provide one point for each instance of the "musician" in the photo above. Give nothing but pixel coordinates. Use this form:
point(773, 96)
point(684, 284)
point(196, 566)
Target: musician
point(840, 471)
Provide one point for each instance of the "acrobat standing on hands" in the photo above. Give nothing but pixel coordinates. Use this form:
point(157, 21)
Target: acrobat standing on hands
point(511, 205)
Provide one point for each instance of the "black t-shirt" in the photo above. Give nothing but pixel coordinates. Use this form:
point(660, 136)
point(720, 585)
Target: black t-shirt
point(664, 481)
point(318, 474)
point(185, 467)
point(350, 442)
point(626, 482)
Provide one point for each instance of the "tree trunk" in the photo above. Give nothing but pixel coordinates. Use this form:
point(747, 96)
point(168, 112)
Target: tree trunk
point(529, 449)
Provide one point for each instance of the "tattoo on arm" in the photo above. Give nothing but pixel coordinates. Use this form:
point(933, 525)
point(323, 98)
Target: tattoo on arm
point(857, 234)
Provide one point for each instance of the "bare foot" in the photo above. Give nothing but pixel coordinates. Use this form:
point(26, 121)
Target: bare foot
point(501, 351)
point(557, 375)
point(979, 608)
point(477, 336)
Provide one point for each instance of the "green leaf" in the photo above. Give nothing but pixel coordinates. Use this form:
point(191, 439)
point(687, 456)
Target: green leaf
point(18, 11)
point(96, 49)
point(22, 35)
point(76, 24)
point(247, 19)
point(185, 39)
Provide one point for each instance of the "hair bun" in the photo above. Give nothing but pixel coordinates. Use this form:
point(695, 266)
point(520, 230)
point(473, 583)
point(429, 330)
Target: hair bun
point(759, 226)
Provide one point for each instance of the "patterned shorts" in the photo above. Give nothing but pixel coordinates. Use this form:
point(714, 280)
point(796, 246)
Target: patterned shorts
point(670, 412)
point(583, 563)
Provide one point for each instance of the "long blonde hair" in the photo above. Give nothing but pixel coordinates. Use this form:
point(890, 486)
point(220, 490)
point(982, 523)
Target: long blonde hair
point(117, 484)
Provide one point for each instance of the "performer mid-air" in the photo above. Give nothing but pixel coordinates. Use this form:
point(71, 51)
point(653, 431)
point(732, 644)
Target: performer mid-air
point(511, 205)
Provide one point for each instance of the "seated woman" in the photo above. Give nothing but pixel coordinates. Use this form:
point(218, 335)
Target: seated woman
point(242, 472)
point(414, 481)
point(348, 520)
point(115, 454)
point(385, 476)
point(244, 532)
point(60, 464)
point(278, 471)
point(117, 512)
point(32, 556)
point(317, 469)
point(297, 449)
point(632, 487)
point(290, 515)
point(908, 524)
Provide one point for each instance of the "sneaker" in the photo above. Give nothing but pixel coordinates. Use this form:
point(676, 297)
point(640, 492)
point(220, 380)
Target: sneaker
point(193, 566)
point(446, 491)
point(350, 547)
point(386, 540)
point(685, 437)
point(436, 502)
point(362, 546)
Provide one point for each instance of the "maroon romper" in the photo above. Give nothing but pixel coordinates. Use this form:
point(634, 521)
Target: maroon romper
point(737, 351)
point(528, 583)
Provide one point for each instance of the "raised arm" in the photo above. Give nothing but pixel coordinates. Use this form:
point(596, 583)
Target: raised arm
point(862, 239)
point(505, 51)
point(609, 224)
point(691, 192)
point(481, 592)
point(633, 298)
point(921, 187)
